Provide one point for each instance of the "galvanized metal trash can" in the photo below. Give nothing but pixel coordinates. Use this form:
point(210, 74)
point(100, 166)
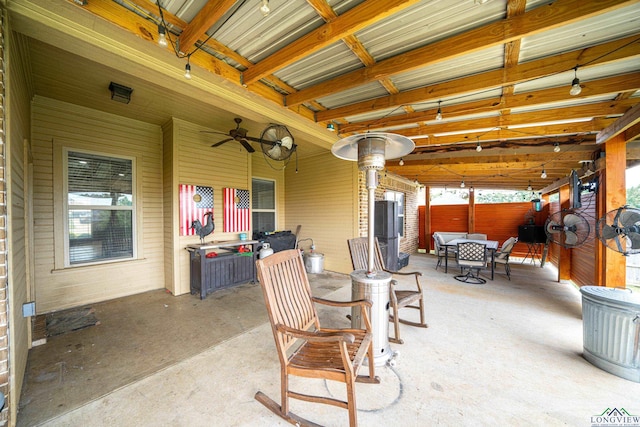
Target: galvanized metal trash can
point(313, 262)
point(611, 330)
point(376, 290)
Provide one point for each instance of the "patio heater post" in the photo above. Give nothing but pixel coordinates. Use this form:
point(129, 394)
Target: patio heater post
point(371, 150)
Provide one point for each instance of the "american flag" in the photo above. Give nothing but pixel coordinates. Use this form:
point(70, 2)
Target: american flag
point(236, 210)
point(195, 201)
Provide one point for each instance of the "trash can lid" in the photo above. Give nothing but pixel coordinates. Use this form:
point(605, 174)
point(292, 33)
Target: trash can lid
point(623, 296)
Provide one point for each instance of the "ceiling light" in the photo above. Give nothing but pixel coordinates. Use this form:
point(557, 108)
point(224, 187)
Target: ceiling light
point(575, 84)
point(162, 38)
point(556, 147)
point(529, 187)
point(120, 93)
point(478, 147)
point(187, 69)
point(439, 113)
point(265, 7)
point(401, 162)
point(462, 184)
point(543, 175)
point(331, 127)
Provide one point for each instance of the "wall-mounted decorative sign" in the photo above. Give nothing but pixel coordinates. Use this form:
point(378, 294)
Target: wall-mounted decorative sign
point(237, 212)
point(195, 202)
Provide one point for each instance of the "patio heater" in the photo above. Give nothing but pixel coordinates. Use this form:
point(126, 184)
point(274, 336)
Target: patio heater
point(371, 150)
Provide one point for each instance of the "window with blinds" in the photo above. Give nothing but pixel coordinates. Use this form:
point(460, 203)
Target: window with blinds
point(99, 208)
point(263, 205)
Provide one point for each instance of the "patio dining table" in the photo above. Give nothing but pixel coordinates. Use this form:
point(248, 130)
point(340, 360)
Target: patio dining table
point(491, 246)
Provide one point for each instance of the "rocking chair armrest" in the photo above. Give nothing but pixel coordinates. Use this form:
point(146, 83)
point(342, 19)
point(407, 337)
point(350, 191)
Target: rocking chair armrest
point(404, 273)
point(316, 336)
point(365, 302)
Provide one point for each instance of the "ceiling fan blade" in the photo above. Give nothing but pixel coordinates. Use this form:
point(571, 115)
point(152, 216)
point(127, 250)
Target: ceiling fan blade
point(246, 145)
point(608, 232)
point(570, 238)
point(629, 218)
point(571, 220)
point(217, 144)
point(254, 139)
point(635, 240)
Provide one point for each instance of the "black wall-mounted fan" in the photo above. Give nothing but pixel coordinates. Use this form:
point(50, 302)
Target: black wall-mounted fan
point(619, 230)
point(567, 228)
point(277, 142)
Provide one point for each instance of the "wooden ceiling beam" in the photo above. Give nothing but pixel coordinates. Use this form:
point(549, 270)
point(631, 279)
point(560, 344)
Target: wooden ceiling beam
point(629, 119)
point(210, 13)
point(623, 49)
point(607, 86)
point(544, 18)
point(344, 25)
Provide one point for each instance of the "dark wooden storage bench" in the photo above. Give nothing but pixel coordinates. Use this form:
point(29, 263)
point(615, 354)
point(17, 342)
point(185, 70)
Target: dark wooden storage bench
point(228, 269)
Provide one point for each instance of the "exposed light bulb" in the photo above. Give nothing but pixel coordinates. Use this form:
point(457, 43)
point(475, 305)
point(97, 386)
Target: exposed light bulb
point(543, 175)
point(401, 162)
point(162, 38)
point(187, 71)
point(529, 187)
point(471, 189)
point(439, 113)
point(556, 147)
point(575, 84)
point(265, 7)
point(479, 147)
point(462, 184)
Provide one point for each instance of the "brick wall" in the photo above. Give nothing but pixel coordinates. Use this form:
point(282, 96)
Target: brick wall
point(392, 182)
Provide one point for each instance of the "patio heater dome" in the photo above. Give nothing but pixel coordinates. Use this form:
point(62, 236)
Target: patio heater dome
point(372, 148)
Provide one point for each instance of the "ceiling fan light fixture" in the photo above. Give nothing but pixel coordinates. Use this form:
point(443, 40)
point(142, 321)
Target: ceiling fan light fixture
point(162, 36)
point(265, 8)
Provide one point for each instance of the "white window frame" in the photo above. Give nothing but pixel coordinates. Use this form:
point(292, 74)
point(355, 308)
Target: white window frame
point(275, 202)
point(66, 209)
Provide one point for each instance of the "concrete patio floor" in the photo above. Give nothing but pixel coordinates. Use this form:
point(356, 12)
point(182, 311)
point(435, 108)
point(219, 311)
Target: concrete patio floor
point(503, 353)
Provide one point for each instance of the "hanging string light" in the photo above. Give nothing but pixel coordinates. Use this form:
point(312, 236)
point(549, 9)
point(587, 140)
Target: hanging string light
point(187, 69)
point(529, 187)
point(265, 7)
point(401, 162)
point(575, 84)
point(462, 184)
point(439, 113)
point(162, 36)
point(556, 147)
point(543, 175)
point(478, 146)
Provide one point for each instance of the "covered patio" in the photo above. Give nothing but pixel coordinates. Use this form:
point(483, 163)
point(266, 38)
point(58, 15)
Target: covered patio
point(503, 353)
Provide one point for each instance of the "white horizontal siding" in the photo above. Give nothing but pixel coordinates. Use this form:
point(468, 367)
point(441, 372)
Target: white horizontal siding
point(55, 125)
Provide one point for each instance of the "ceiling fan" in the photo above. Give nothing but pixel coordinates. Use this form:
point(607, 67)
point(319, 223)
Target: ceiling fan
point(238, 134)
point(276, 140)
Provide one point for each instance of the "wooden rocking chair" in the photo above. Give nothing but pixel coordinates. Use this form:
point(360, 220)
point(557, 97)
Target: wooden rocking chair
point(305, 348)
point(398, 298)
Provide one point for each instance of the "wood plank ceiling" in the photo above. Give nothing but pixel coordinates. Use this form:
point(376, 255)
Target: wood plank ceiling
point(498, 71)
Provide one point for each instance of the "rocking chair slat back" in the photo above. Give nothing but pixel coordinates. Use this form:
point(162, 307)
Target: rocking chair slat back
point(288, 293)
point(359, 249)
